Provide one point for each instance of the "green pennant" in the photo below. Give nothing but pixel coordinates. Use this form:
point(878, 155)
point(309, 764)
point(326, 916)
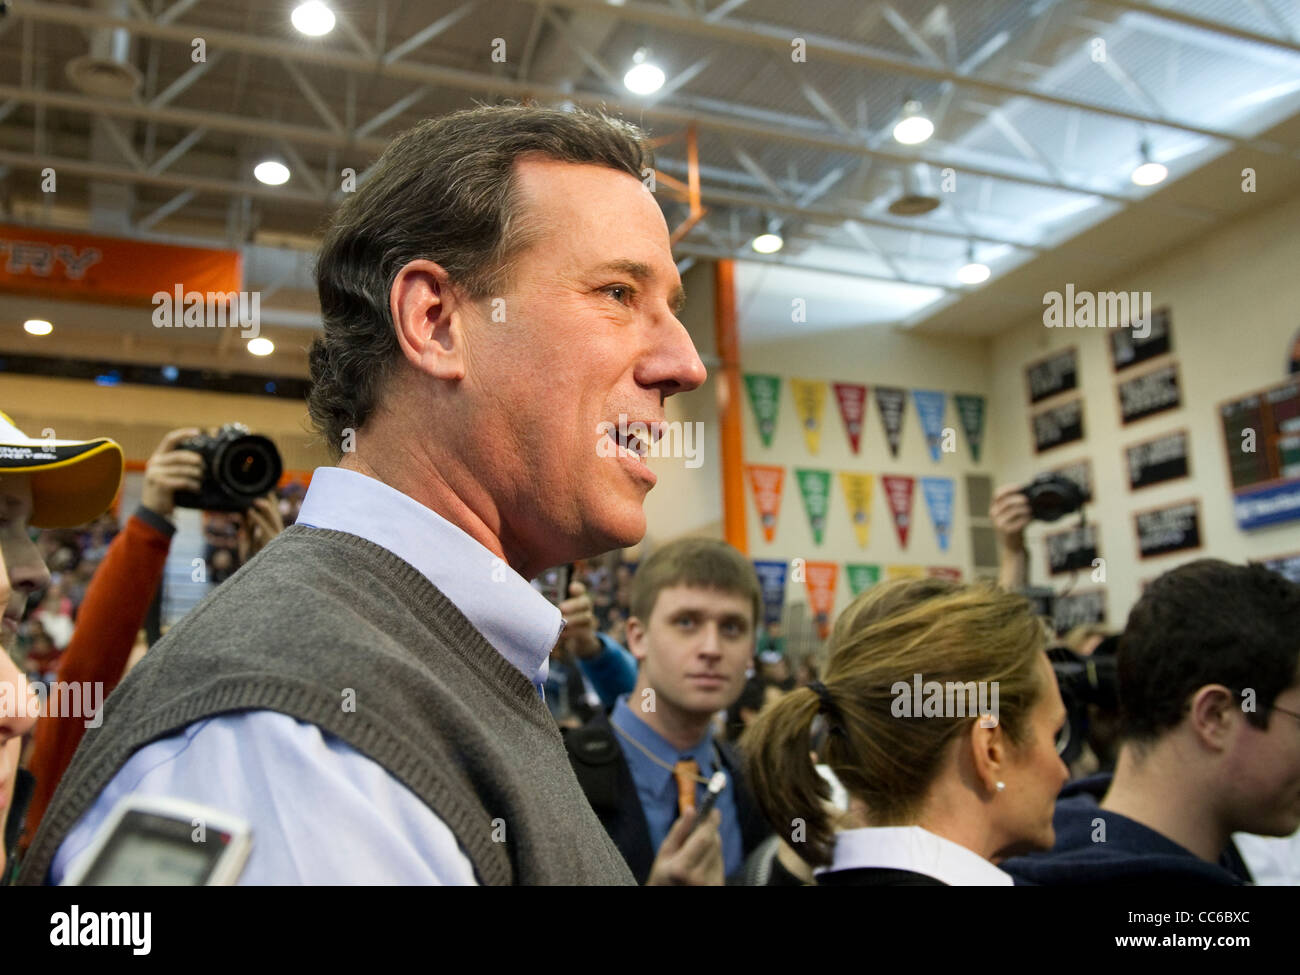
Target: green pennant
point(971, 411)
point(862, 576)
point(815, 486)
point(765, 399)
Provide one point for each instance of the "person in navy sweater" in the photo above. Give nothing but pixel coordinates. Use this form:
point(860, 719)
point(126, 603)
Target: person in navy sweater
point(1209, 691)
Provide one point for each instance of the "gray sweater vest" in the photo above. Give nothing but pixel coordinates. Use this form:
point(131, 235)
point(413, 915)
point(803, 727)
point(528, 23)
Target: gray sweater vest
point(336, 631)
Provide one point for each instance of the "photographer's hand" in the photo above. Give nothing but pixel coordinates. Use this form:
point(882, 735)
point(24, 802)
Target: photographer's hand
point(579, 638)
point(1010, 514)
point(170, 470)
point(260, 524)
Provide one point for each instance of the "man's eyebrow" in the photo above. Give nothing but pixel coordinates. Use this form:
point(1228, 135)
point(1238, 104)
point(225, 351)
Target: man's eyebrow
point(642, 273)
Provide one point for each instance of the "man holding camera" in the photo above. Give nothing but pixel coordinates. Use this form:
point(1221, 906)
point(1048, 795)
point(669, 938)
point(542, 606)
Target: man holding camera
point(364, 693)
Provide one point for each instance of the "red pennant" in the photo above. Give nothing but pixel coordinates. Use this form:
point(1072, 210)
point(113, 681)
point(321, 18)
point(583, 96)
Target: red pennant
point(898, 490)
point(853, 410)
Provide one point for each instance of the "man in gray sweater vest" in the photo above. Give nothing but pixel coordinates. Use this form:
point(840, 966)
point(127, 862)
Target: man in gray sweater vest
point(499, 303)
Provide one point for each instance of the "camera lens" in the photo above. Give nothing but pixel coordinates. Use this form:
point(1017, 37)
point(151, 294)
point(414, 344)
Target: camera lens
point(249, 466)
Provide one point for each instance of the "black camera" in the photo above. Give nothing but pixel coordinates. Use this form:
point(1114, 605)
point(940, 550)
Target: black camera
point(239, 467)
point(1090, 691)
point(1052, 496)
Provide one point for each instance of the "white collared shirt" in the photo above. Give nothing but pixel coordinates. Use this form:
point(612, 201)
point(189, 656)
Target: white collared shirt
point(916, 849)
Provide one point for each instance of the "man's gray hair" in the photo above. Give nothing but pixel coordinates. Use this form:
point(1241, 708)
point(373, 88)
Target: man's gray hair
point(443, 191)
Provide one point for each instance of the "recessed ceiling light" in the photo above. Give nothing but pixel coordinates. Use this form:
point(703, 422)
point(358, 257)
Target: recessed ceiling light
point(272, 172)
point(643, 78)
point(913, 128)
point(767, 243)
point(260, 346)
point(1149, 174)
point(973, 273)
point(37, 326)
point(313, 18)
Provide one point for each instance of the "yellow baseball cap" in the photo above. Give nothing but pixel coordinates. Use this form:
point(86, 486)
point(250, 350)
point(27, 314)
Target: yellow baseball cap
point(73, 481)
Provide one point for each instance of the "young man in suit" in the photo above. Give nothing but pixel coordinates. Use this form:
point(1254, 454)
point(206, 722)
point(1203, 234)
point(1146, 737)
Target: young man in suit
point(695, 604)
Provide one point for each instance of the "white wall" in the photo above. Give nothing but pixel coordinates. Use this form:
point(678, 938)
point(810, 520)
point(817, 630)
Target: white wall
point(1235, 301)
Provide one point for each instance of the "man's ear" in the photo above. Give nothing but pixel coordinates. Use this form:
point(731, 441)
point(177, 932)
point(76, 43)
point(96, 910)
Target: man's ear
point(1211, 713)
point(636, 638)
point(428, 320)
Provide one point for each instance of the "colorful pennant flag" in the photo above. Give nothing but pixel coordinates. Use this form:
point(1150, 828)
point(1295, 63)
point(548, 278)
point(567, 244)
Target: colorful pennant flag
point(820, 578)
point(971, 410)
point(861, 576)
point(771, 580)
point(857, 494)
point(765, 400)
point(931, 405)
point(767, 483)
point(938, 493)
point(810, 404)
point(898, 491)
point(893, 572)
point(815, 486)
point(892, 403)
point(852, 398)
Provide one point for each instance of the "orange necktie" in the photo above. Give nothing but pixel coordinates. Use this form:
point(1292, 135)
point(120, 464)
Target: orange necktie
point(686, 772)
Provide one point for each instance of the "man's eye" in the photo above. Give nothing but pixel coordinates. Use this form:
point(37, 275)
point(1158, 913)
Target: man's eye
point(622, 293)
point(686, 621)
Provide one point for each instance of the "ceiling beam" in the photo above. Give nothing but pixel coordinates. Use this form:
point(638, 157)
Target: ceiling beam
point(1214, 26)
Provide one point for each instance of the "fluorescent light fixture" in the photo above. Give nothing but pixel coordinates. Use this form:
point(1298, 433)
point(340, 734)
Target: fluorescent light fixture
point(767, 243)
point(37, 326)
point(272, 172)
point(643, 78)
point(260, 346)
point(313, 18)
point(913, 128)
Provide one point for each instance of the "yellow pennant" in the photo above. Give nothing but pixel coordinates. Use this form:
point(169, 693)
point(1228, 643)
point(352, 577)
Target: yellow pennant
point(857, 492)
point(809, 404)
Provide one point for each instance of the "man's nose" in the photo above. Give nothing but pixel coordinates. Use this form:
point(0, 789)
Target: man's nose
point(27, 570)
point(673, 365)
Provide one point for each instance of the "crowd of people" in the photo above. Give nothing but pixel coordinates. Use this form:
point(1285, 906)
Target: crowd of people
point(382, 668)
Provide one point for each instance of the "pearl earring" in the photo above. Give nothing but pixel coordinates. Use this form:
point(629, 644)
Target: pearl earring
point(1001, 786)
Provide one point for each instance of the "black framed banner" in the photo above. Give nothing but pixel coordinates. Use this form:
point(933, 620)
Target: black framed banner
point(1156, 461)
point(1074, 548)
point(1172, 528)
point(1150, 393)
point(1129, 346)
point(1057, 425)
point(1056, 374)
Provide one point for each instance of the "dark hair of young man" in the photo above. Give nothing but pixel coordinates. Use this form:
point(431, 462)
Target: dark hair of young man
point(705, 563)
point(1207, 622)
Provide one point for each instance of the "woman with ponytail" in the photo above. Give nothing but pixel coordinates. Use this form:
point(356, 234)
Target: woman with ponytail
point(942, 711)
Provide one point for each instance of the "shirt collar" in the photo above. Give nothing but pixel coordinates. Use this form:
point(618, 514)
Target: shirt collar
point(514, 617)
point(626, 720)
point(916, 849)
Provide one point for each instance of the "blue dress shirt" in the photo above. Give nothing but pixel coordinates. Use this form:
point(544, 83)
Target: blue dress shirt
point(657, 787)
point(320, 811)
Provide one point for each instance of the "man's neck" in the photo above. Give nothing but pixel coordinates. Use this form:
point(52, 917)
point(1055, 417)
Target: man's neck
point(419, 478)
point(683, 730)
point(1159, 791)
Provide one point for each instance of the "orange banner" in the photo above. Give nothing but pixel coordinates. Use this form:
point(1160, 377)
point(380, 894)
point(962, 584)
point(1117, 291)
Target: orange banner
point(821, 578)
point(767, 483)
point(86, 267)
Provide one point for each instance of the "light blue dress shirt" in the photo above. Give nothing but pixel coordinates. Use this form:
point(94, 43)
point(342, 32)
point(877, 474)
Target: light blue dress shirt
point(320, 811)
point(656, 786)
